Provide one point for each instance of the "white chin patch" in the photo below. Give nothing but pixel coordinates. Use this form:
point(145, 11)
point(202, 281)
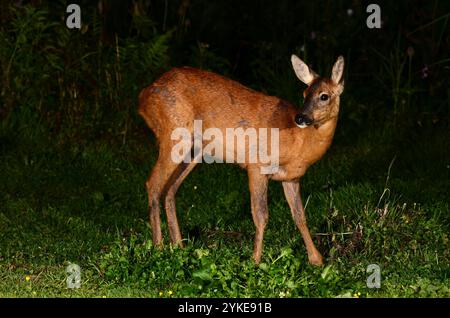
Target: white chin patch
point(302, 126)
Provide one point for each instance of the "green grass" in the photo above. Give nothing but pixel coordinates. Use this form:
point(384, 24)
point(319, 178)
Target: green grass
point(85, 203)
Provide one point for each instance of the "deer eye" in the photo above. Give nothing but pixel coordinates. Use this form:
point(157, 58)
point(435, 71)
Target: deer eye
point(324, 97)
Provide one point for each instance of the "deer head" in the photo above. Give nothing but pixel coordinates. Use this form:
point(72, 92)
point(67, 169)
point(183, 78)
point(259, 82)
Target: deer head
point(321, 102)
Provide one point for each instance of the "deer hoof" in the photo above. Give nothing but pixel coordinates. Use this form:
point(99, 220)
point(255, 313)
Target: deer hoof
point(316, 260)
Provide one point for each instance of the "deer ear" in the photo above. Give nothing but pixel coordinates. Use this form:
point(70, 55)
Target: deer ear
point(303, 72)
point(338, 70)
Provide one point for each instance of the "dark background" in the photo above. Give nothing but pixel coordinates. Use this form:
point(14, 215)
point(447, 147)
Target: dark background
point(401, 70)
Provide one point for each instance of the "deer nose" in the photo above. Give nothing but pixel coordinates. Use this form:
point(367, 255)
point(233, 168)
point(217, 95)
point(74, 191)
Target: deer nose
point(303, 120)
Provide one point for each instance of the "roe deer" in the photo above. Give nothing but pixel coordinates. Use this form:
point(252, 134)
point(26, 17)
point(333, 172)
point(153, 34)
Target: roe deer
point(185, 94)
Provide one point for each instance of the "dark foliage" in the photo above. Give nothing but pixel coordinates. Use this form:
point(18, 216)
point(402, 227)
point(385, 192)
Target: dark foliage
point(82, 79)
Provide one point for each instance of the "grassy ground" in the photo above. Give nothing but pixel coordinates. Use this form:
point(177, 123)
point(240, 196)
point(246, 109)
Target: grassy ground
point(375, 198)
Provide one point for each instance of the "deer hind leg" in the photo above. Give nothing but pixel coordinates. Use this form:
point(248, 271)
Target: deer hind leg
point(292, 193)
point(155, 184)
point(172, 187)
point(258, 184)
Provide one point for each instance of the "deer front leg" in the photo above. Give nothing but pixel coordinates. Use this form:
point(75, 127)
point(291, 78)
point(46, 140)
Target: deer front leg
point(292, 193)
point(258, 195)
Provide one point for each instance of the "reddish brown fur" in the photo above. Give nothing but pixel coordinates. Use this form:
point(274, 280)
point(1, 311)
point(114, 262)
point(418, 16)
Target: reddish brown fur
point(185, 94)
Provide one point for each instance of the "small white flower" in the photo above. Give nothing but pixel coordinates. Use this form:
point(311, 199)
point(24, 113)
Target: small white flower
point(349, 12)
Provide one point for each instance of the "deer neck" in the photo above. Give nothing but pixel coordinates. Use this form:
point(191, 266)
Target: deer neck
point(317, 140)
